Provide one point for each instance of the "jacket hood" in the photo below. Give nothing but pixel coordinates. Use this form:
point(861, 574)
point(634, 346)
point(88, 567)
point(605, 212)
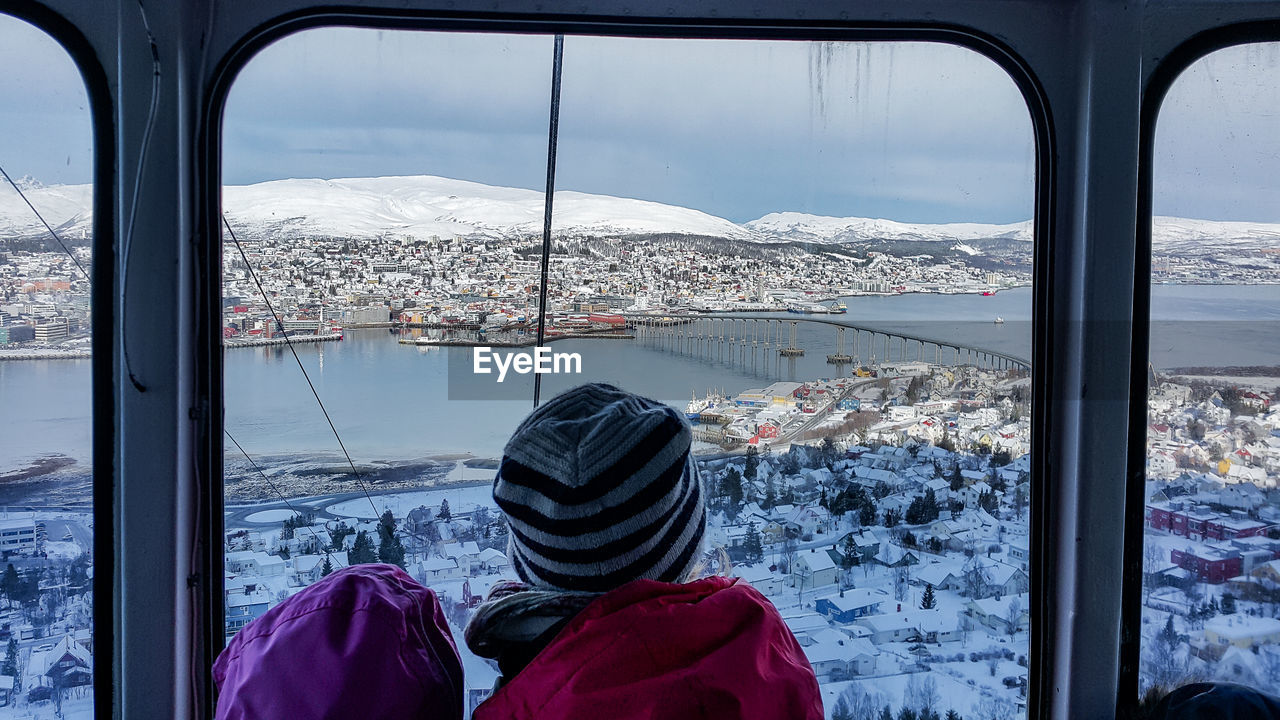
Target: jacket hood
point(711, 648)
point(365, 642)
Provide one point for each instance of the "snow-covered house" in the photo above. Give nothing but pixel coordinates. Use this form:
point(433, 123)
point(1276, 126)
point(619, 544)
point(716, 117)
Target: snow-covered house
point(849, 605)
point(813, 569)
point(439, 568)
point(934, 625)
point(759, 577)
point(998, 614)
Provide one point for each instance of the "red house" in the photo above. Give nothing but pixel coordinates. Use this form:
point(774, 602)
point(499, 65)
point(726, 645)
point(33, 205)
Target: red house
point(1208, 565)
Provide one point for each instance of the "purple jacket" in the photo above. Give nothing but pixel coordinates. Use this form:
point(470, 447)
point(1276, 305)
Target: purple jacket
point(366, 642)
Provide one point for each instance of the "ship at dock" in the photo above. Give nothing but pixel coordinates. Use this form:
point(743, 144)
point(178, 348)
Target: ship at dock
point(698, 409)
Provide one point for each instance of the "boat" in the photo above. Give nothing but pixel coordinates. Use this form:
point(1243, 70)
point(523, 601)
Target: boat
point(999, 320)
point(988, 293)
point(695, 407)
point(839, 308)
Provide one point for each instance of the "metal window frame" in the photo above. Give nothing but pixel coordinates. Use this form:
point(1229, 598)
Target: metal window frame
point(1094, 63)
point(1165, 72)
point(67, 34)
point(987, 46)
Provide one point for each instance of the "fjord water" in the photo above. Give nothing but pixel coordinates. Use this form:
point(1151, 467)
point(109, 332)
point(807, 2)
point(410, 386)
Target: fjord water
point(391, 401)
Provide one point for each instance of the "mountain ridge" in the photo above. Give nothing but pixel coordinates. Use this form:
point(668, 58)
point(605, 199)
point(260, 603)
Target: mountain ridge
point(423, 206)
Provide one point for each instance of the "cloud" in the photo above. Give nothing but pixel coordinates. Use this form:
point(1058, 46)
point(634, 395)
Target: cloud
point(45, 128)
point(734, 128)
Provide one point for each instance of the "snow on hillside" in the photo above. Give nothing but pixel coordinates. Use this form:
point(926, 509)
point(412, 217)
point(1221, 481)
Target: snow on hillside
point(68, 208)
point(803, 226)
point(1188, 236)
point(423, 205)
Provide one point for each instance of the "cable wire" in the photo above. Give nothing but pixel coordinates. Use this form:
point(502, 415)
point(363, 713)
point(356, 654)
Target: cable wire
point(280, 323)
point(133, 202)
point(315, 393)
point(553, 134)
point(44, 222)
point(276, 490)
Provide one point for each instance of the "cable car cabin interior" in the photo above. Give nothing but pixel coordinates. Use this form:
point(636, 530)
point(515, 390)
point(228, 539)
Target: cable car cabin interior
point(958, 316)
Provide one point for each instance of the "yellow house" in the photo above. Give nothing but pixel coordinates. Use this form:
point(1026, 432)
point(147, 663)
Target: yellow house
point(1243, 631)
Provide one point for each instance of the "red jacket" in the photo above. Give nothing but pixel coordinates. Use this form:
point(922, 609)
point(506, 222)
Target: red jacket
point(658, 651)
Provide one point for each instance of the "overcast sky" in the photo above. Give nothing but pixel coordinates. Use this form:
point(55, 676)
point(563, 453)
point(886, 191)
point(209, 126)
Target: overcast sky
point(908, 131)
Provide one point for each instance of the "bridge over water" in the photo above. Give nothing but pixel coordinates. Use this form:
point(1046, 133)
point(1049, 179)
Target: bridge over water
point(715, 335)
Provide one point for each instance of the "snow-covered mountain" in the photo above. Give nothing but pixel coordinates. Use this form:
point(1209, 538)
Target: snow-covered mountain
point(68, 208)
point(422, 206)
point(820, 228)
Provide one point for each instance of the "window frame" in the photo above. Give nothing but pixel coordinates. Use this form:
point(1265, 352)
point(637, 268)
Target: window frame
point(1156, 87)
point(208, 308)
point(102, 296)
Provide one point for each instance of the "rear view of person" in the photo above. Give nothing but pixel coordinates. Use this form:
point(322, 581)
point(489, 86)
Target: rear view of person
point(366, 642)
point(605, 511)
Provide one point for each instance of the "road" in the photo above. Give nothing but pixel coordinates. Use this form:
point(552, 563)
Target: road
point(237, 516)
point(818, 417)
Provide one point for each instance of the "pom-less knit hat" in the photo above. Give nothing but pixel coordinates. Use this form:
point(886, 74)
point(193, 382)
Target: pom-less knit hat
point(599, 488)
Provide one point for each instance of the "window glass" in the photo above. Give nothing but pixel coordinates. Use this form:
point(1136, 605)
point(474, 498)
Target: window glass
point(747, 213)
point(1210, 556)
point(385, 189)
point(46, 472)
point(820, 253)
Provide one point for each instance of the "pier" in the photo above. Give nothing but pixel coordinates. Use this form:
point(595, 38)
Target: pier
point(268, 342)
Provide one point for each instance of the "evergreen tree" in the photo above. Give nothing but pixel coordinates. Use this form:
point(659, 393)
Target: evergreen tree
point(886, 713)
point(339, 534)
point(751, 545)
point(10, 665)
point(953, 715)
point(841, 710)
point(11, 583)
point(362, 550)
point(829, 452)
point(927, 601)
point(1228, 606)
point(890, 518)
point(867, 515)
point(327, 568)
point(390, 549)
point(753, 462)
point(930, 505)
point(1169, 634)
point(849, 552)
point(731, 486)
point(444, 513)
point(770, 494)
point(906, 713)
point(957, 480)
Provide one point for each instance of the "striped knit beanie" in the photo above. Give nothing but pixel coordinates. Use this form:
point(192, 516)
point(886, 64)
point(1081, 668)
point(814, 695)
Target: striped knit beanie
point(599, 489)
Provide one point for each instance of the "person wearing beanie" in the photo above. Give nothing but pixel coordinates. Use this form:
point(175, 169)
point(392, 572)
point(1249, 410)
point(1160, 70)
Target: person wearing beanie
point(365, 642)
point(605, 514)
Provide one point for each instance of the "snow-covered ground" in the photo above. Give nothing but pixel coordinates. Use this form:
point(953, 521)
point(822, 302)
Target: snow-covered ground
point(461, 500)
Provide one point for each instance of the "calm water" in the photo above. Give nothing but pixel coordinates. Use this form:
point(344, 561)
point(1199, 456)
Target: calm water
point(391, 401)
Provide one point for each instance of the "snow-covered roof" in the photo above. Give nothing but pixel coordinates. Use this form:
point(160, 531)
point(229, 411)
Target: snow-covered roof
point(491, 554)
point(1242, 627)
point(435, 564)
point(815, 560)
point(856, 598)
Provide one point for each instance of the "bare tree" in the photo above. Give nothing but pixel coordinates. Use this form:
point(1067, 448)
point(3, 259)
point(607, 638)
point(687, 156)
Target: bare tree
point(993, 708)
point(1013, 616)
point(921, 693)
point(862, 705)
